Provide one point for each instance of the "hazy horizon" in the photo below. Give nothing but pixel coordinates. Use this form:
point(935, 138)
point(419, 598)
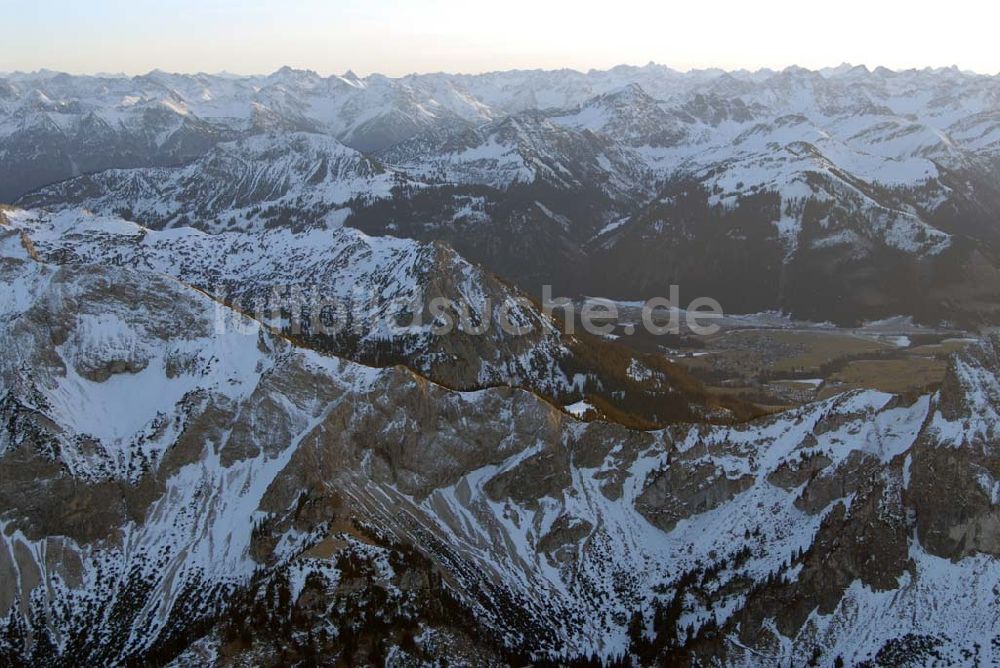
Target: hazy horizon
point(393, 38)
point(363, 75)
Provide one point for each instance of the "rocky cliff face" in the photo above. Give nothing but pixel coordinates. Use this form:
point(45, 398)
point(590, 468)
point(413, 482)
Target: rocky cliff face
point(178, 491)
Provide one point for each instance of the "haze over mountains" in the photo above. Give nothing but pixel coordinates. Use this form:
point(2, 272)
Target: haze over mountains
point(190, 479)
point(840, 181)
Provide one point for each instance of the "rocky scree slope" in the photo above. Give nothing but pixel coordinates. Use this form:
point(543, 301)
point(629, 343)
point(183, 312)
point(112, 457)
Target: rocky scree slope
point(264, 503)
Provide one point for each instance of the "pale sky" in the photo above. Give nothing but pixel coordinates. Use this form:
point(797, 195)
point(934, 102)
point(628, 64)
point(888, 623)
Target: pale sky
point(395, 37)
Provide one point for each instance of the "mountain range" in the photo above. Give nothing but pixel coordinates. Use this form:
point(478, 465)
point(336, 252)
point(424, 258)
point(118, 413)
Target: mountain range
point(839, 182)
point(198, 469)
point(179, 492)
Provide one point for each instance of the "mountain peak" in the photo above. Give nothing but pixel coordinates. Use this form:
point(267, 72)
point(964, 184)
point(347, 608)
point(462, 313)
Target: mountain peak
point(632, 91)
point(797, 71)
point(287, 72)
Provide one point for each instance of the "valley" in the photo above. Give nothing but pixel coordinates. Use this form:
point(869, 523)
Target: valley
point(262, 403)
point(775, 362)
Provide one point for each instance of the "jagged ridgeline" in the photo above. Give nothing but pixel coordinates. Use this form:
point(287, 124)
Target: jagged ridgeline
point(381, 289)
point(379, 516)
point(191, 476)
point(843, 194)
point(177, 491)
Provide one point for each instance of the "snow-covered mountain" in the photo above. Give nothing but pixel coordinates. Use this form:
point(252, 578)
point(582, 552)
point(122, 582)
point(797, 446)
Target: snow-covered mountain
point(523, 148)
point(263, 503)
point(233, 431)
point(869, 168)
point(372, 300)
point(631, 116)
point(262, 180)
point(929, 112)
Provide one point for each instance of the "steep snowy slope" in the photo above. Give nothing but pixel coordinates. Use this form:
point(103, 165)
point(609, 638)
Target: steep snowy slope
point(263, 503)
point(630, 116)
point(55, 126)
point(522, 148)
point(246, 184)
point(382, 301)
point(371, 285)
point(137, 416)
